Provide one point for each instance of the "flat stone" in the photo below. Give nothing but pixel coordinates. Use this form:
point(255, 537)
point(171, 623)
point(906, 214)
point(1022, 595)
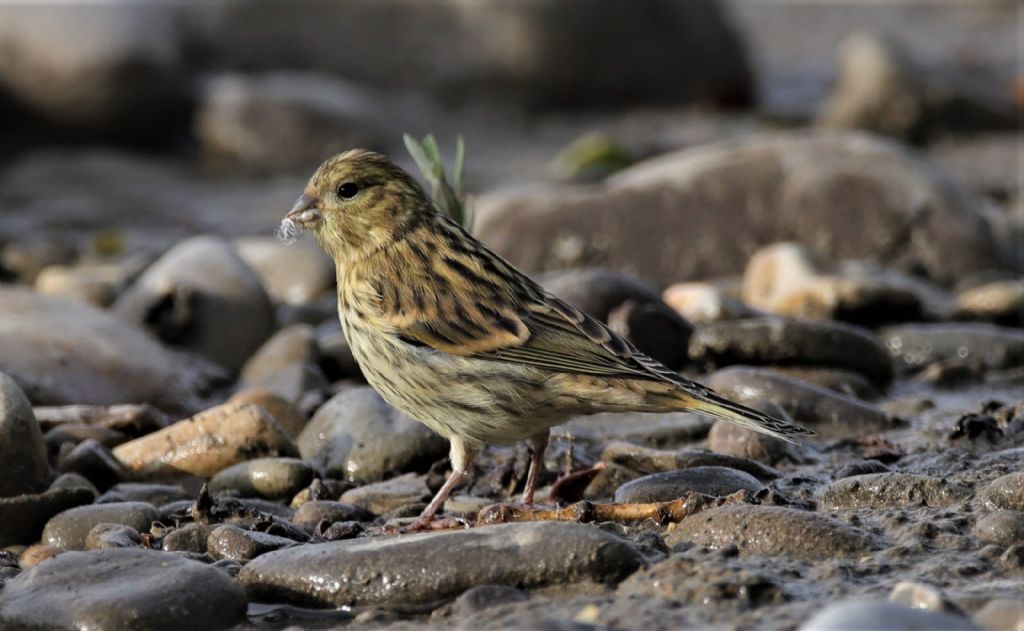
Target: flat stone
point(882, 615)
point(730, 439)
point(772, 531)
point(784, 341)
point(990, 345)
point(654, 460)
point(358, 436)
point(291, 419)
point(891, 489)
point(313, 512)
point(122, 590)
point(206, 443)
point(238, 544)
point(670, 485)
point(62, 352)
point(383, 497)
point(23, 517)
point(425, 568)
point(829, 413)
point(1006, 492)
point(272, 478)
point(1003, 527)
point(69, 529)
point(22, 449)
point(155, 494)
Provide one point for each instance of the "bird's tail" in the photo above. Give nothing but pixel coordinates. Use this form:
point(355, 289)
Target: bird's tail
point(715, 406)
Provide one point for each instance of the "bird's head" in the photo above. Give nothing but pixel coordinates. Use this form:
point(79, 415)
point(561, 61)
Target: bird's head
point(357, 202)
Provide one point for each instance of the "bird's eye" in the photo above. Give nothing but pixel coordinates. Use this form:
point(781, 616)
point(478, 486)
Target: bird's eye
point(348, 190)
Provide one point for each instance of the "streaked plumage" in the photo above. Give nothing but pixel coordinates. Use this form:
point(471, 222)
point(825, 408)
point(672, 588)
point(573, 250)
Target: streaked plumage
point(456, 337)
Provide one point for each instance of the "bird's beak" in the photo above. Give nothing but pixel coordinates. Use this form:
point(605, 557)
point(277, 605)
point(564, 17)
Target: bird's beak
point(305, 211)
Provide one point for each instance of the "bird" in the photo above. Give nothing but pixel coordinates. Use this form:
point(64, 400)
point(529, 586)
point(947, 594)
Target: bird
point(459, 339)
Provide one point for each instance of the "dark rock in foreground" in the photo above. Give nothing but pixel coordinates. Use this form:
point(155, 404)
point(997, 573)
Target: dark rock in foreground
point(121, 590)
point(430, 567)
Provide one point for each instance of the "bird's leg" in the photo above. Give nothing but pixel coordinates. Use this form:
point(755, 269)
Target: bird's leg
point(538, 444)
point(461, 456)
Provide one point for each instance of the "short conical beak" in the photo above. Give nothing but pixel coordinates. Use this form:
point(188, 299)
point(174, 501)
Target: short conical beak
point(305, 211)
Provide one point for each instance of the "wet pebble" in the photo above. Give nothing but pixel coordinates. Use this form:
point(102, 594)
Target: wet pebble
point(384, 497)
point(272, 478)
point(286, 364)
point(69, 529)
point(830, 414)
point(1003, 527)
point(358, 436)
point(191, 537)
point(772, 531)
point(122, 590)
point(23, 517)
point(882, 615)
point(313, 512)
point(238, 544)
point(389, 571)
point(791, 342)
point(1006, 492)
point(860, 468)
point(990, 346)
point(921, 596)
point(207, 443)
point(484, 597)
point(22, 450)
point(36, 554)
point(104, 536)
point(670, 485)
point(93, 461)
point(654, 460)
point(892, 489)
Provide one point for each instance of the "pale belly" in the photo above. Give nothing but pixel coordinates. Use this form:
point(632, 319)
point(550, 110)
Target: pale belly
point(481, 401)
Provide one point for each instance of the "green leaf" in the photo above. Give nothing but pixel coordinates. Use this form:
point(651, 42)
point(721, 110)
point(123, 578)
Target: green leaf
point(448, 199)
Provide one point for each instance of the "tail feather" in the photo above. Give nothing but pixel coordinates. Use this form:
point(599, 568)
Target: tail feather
point(715, 406)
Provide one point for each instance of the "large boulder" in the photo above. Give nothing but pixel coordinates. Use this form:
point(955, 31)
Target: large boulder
point(539, 53)
point(704, 211)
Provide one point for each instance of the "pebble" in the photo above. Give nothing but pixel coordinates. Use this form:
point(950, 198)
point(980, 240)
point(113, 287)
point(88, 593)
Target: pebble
point(1002, 527)
point(23, 517)
point(916, 345)
point(207, 443)
point(291, 419)
point(921, 596)
point(95, 284)
point(36, 554)
point(390, 571)
point(670, 485)
point(861, 468)
point(888, 490)
point(845, 382)
point(483, 597)
point(358, 436)
point(731, 439)
point(772, 531)
point(190, 537)
point(289, 353)
point(1006, 492)
point(702, 303)
point(155, 494)
point(830, 414)
point(792, 342)
point(122, 590)
point(94, 462)
point(383, 497)
point(272, 478)
point(882, 615)
point(75, 433)
point(294, 274)
point(69, 529)
point(313, 512)
point(22, 450)
point(1000, 302)
point(1001, 614)
point(104, 536)
point(654, 460)
point(649, 429)
point(200, 295)
point(238, 544)
point(62, 352)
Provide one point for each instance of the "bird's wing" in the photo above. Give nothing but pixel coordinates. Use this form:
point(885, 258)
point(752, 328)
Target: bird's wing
point(472, 303)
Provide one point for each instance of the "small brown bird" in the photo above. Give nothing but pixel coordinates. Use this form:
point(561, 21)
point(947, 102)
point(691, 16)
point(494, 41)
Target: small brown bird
point(453, 335)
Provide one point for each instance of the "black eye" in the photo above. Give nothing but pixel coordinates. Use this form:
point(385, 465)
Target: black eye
point(348, 190)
